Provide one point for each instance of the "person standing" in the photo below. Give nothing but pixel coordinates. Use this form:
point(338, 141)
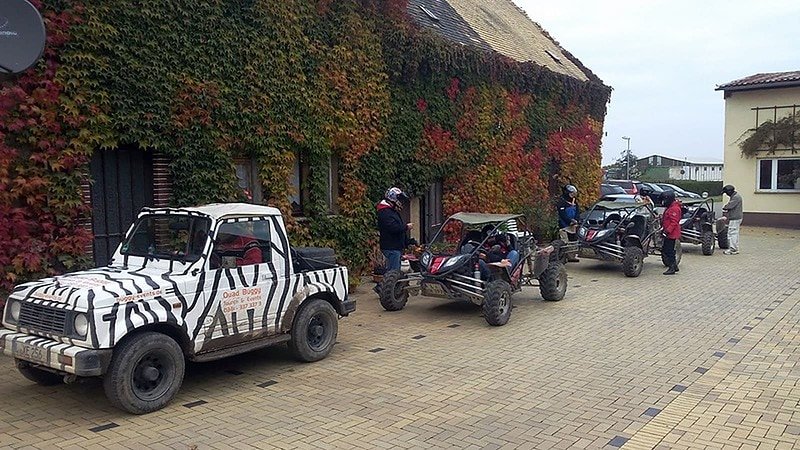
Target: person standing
point(568, 213)
point(733, 211)
point(393, 237)
point(671, 227)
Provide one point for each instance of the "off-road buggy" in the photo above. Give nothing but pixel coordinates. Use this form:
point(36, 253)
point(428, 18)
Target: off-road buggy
point(450, 267)
point(624, 232)
point(700, 227)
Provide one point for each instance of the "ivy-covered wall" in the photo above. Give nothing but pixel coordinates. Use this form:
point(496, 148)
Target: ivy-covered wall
point(207, 82)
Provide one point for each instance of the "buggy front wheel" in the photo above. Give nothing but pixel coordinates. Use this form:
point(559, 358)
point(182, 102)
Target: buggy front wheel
point(553, 282)
point(497, 303)
point(707, 242)
point(393, 295)
point(633, 261)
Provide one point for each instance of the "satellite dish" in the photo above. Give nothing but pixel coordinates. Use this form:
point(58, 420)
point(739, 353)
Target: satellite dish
point(22, 36)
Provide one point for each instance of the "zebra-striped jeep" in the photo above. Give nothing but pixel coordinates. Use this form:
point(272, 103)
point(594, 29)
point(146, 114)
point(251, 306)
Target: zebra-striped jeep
point(190, 283)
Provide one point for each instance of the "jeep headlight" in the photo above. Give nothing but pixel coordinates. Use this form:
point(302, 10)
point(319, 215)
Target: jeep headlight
point(582, 232)
point(602, 233)
point(14, 309)
point(81, 325)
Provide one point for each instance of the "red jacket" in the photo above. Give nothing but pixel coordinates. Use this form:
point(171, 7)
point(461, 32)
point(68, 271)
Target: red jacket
point(671, 220)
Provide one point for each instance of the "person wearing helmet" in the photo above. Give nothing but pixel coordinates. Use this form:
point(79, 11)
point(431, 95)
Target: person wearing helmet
point(671, 227)
point(393, 237)
point(568, 213)
point(733, 212)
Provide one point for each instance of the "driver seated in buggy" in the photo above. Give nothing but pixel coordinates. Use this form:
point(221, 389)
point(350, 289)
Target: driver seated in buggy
point(499, 249)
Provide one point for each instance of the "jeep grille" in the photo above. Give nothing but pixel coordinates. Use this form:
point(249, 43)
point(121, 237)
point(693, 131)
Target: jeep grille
point(42, 319)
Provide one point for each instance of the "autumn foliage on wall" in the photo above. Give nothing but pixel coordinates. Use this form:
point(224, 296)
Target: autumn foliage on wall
point(274, 81)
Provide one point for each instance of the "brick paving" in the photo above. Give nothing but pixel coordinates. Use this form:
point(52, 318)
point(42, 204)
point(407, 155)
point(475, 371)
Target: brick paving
point(705, 359)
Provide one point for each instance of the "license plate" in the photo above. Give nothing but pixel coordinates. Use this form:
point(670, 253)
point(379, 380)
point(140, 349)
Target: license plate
point(30, 352)
point(433, 290)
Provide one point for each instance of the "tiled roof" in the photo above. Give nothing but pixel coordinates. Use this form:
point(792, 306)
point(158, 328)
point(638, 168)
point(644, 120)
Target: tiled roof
point(497, 25)
point(760, 80)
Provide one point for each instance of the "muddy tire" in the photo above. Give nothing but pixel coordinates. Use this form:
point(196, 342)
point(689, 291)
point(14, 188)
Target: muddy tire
point(497, 303)
point(553, 282)
point(722, 239)
point(633, 261)
point(314, 331)
point(146, 372)
point(707, 241)
point(37, 375)
point(393, 296)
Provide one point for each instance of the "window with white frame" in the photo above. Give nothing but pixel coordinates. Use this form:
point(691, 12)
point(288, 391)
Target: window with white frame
point(776, 175)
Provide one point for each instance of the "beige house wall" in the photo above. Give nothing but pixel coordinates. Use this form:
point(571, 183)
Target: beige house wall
point(741, 171)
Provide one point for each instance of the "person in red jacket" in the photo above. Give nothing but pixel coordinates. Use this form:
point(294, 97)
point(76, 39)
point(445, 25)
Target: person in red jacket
point(671, 227)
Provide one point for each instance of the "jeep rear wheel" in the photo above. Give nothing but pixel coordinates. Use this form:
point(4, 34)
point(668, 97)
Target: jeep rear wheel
point(393, 295)
point(37, 375)
point(707, 241)
point(314, 331)
point(553, 282)
point(146, 372)
point(497, 303)
point(632, 261)
point(722, 239)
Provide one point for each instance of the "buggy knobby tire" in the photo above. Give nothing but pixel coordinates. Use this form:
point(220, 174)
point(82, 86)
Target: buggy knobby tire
point(146, 372)
point(707, 241)
point(37, 375)
point(553, 282)
point(497, 303)
point(393, 295)
point(314, 331)
point(632, 261)
point(722, 239)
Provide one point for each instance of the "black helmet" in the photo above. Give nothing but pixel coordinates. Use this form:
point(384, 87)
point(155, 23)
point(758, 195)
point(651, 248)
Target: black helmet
point(728, 189)
point(668, 197)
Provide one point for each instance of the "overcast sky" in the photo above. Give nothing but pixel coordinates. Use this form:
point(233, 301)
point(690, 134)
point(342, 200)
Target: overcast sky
point(665, 57)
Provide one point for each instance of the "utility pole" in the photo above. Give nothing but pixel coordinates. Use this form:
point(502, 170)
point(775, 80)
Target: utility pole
point(628, 158)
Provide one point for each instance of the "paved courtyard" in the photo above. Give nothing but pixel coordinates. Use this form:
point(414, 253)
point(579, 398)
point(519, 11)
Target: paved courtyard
point(705, 359)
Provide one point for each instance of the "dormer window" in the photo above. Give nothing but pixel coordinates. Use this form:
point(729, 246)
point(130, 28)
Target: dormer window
point(554, 56)
point(428, 13)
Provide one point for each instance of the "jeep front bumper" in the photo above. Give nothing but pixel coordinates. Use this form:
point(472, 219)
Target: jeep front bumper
point(55, 355)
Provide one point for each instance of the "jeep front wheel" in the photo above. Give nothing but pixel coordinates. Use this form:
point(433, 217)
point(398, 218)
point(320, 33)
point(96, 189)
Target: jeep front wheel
point(553, 282)
point(497, 303)
point(632, 261)
point(707, 242)
point(37, 375)
point(146, 372)
point(393, 295)
point(314, 331)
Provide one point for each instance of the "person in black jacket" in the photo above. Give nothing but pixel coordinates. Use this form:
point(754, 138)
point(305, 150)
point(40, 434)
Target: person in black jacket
point(568, 213)
point(393, 232)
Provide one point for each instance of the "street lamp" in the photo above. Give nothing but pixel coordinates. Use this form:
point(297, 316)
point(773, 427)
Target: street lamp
point(628, 158)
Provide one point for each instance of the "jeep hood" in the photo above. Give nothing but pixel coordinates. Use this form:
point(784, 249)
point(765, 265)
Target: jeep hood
point(99, 288)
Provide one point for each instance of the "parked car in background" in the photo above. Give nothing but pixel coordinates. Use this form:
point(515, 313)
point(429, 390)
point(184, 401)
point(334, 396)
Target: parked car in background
point(608, 189)
point(678, 191)
point(630, 186)
point(651, 190)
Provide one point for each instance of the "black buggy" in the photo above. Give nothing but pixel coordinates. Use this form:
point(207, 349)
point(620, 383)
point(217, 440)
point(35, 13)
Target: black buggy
point(700, 227)
point(450, 267)
point(622, 231)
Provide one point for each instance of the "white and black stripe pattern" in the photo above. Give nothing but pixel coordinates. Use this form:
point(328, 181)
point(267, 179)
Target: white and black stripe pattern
point(135, 291)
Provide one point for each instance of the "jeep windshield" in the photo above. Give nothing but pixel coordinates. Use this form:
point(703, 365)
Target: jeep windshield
point(175, 237)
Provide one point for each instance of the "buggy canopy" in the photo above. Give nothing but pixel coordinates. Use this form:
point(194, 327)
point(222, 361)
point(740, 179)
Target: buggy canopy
point(479, 218)
point(617, 205)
